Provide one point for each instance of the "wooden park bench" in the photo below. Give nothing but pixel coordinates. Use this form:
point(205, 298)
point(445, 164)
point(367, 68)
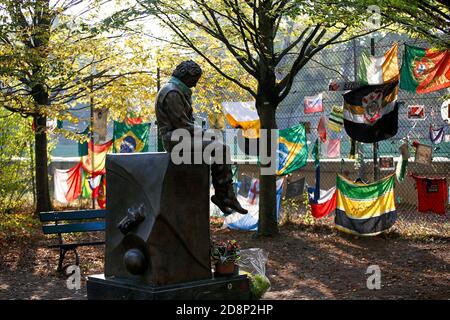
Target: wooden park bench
point(65, 222)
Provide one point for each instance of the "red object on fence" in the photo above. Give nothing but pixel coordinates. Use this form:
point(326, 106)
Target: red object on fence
point(432, 194)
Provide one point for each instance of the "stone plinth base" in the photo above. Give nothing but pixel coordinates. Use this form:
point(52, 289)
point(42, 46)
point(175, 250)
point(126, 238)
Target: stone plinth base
point(220, 288)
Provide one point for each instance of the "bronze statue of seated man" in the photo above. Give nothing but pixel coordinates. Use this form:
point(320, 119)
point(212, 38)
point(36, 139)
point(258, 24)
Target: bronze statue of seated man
point(174, 111)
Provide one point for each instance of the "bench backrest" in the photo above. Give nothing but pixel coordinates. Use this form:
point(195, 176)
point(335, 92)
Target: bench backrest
point(79, 226)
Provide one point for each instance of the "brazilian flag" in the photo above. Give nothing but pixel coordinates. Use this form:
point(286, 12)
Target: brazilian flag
point(292, 149)
point(130, 138)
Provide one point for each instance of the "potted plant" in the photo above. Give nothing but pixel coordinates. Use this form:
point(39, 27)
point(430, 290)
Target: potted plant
point(224, 255)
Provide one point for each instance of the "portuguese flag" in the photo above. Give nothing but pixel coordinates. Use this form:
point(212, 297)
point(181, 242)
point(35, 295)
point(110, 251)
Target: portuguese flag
point(425, 70)
point(130, 138)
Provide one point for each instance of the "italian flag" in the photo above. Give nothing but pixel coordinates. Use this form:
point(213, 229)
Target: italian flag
point(379, 70)
point(425, 70)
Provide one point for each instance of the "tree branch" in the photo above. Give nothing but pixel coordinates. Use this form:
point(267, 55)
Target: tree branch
point(169, 22)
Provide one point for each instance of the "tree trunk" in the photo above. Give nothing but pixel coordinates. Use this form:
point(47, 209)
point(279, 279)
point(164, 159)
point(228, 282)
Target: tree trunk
point(266, 104)
point(41, 169)
point(268, 224)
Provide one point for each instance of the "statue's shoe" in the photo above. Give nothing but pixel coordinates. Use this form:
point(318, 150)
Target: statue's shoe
point(226, 210)
point(234, 205)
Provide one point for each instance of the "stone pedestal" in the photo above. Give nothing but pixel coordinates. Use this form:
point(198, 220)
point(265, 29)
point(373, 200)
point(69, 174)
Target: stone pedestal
point(157, 233)
point(170, 243)
point(229, 288)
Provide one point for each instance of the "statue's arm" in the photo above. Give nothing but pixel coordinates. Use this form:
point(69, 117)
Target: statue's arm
point(178, 114)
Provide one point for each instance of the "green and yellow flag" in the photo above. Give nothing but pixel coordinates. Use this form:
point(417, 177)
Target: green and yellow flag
point(131, 138)
point(292, 149)
point(365, 209)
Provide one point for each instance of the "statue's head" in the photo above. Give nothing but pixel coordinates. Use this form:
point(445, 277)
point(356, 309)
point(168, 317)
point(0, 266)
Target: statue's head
point(188, 72)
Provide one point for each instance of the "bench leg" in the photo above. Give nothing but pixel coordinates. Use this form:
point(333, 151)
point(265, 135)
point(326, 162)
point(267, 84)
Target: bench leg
point(62, 254)
point(77, 258)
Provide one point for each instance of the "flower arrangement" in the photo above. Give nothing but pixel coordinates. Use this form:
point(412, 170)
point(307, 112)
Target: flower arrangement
point(225, 252)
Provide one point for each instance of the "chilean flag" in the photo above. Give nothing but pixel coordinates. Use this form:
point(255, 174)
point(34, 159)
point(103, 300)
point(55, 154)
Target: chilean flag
point(324, 203)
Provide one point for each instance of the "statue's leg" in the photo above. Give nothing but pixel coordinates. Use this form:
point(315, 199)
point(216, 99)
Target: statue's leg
point(222, 179)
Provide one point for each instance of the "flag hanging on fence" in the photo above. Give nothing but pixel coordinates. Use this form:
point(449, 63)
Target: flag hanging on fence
point(243, 115)
point(336, 119)
point(379, 70)
point(425, 70)
point(67, 184)
point(83, 145)
point(432, 194)
point(371, 112)
point(133, 117)
point(437, 135)
point(365, 209)
point(253, 193)
point(249, 221)
point(97, 154)
point(292, 149)
point(90, 185)
point(131, 138)
point(74, 183)
point(313, 104)
point(101, 198)
point(324, 204)
point(322, 129)
point(331, 148)
point(60, 185)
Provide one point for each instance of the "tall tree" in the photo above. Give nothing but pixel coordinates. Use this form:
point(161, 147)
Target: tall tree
point(428, 19)
point(51, 57)
point(253, 31)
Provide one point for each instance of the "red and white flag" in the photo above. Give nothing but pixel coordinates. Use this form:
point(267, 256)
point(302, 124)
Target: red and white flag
point(67, 184)
point(253, 194)
point(313, 104)
point(331, 149)
point(325, 204)
point(322, 129)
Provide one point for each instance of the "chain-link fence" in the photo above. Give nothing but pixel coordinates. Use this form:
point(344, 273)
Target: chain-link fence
point(341, 63)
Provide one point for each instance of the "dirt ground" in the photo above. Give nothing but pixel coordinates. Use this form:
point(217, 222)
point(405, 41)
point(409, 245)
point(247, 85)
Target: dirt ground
point(304, 263)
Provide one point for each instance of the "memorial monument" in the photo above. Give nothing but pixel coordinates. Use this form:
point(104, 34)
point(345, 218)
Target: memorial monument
point(157, 221)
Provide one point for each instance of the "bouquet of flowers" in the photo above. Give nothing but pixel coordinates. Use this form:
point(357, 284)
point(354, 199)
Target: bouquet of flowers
point(225, 251)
